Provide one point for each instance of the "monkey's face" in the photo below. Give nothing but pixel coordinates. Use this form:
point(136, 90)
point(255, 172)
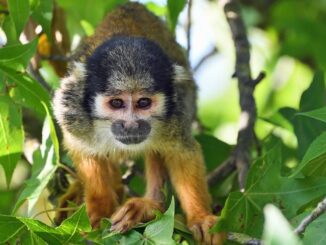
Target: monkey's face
point(130, 115)
point(128, 89)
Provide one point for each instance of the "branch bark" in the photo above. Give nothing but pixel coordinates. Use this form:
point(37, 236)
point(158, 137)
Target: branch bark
point(189, 22)
point(240, 157)
point(319, 210)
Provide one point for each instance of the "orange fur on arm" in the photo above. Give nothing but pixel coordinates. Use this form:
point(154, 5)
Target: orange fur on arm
point(100, 185)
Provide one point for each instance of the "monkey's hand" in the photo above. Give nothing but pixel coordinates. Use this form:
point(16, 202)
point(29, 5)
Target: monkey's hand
point(200, 227)
point(134, 211)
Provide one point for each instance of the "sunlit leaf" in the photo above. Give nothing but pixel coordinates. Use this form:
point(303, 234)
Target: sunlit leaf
point(11, 135)
point(277, 230)
point(44, 166)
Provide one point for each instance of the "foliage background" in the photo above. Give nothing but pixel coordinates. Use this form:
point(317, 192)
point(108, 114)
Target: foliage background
point(288, 169)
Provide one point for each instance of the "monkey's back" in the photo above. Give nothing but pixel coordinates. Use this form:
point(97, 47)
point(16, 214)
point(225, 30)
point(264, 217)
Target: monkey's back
point(133, 19)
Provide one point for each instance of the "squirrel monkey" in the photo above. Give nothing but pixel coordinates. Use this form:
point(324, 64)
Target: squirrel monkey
point(130, 92)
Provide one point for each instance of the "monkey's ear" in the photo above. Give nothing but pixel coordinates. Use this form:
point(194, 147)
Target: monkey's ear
point(181, 74)
point(68, 99)
point(77, 72)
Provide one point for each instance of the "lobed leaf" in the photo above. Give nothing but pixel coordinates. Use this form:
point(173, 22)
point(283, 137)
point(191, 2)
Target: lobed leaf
point(243, 211)
point(10, 226)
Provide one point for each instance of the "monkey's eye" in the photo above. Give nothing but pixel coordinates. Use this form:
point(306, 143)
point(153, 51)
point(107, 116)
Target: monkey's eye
point(116, 103)
point(144, 103)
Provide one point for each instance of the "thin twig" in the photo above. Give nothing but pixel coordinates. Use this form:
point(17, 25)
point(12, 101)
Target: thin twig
point(222, 171)
point(68, 170)
point(37, 75)
point(204, 58)
point(189, 27)
point(240, 157)
point(319, 210)
point(55, 210)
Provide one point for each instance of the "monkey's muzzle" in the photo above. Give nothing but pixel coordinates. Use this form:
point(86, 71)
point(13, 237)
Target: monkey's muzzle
point(133, 133)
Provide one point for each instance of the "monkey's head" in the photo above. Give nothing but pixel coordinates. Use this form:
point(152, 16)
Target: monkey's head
point(123, 97)
point(129, 89)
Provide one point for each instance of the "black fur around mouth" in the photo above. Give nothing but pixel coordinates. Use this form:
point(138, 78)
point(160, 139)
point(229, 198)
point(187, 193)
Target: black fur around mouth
point(131, 139)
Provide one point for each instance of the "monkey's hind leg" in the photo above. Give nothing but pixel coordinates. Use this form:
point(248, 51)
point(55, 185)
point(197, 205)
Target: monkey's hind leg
point(142, 209)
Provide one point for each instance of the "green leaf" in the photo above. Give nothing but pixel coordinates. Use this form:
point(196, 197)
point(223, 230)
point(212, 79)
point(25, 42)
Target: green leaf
point(131, 238)
point(277, 230)
point(43, 15)
point(47, 233)
point(319, 114)
point(313, 162)
point(314, 97)
point(306, 129)
point(75, 224)
point(88, 28)
point(10, 226)
point(44, 166)
point(11, 135)
point(210, 145)
point(10, 30)
point(53, 133)
point(157, 9)
point(161, 231)
point(30, 238)
point(19, 12)
point(174, 9)
point(17, 55)
point(243, 210)
point(28, 92)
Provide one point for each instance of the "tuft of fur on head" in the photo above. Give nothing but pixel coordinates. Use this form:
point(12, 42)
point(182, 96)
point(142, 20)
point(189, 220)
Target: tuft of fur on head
point(68, 99)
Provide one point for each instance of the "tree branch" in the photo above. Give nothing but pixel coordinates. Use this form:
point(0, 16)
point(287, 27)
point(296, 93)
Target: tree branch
point(204, 58)
point(319, 210)
point(189, 27)
point(240, 156)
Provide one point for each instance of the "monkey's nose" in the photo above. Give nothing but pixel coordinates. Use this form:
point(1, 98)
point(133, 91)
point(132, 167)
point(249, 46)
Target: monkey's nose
point(124, 127)
point(131, 133)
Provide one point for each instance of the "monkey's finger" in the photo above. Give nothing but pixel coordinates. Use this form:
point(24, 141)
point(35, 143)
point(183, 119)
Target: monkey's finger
point(217, 239)
point(120, 214)
point(197, 232)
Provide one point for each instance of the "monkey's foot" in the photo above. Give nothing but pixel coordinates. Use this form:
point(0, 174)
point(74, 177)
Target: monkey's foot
point(134, 211)
point(200, 229)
